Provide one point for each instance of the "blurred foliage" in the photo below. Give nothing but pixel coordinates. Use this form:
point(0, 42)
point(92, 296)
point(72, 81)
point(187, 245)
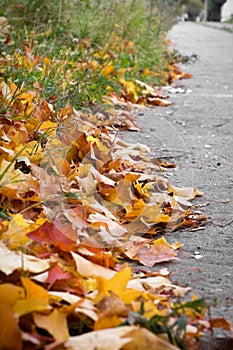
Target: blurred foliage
point(193, 8)
point(91, 34)
point(214, 10)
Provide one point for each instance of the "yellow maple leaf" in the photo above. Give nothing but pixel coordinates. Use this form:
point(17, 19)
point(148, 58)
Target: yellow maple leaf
point(118, 285)
point(130, 89)
point(36, 299)
point(96, 140)
point(107, 70)
point(55, 323)
point(10, 293)
point(33, 151)
point(16, 234)
point(162, 240)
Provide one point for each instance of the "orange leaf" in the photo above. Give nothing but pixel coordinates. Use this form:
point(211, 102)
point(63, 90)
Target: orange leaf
point(221, 323)
point(107, 322)
point(10, 335)
point(107, 70)
point(155, 101)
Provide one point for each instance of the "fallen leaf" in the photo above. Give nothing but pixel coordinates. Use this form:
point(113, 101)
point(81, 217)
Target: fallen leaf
point(164, 286)
point(143, 339)
point(36, 299)
point(55, 323)
point(149, 256)
point(10, 293)
point(87, 268)
point(107, 70)
point(11, 261)
point(49, 233)
point(162, 240)
point(60, 280)
point(186, 192)
point(16, 234)
point(130, 89)
point(118, 284)
point(221, 323)
point(85, 306)
point(111, 338)
point(113, 227)
point(10, 333)
point(109, 321)
point(155, 101)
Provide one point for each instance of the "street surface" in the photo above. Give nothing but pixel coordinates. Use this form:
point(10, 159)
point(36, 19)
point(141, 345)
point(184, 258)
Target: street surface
point(197, 133)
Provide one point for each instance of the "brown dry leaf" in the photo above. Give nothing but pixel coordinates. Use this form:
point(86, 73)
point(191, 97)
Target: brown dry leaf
point(97, 255)
point(186, 192)
point(163, 285)
point(221, 323)
point(112, 310)
point(155, 101)
point(97, 220)
point(111, 338)
point(113, 305)
point(143, 339)
point(149, 256)
point(132, 247)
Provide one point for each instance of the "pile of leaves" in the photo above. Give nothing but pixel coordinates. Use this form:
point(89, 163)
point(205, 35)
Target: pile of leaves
point(77, 206)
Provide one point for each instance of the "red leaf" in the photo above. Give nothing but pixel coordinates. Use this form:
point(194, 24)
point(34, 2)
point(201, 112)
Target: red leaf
point(49, 233)
point(60, 280)
point(56, 273)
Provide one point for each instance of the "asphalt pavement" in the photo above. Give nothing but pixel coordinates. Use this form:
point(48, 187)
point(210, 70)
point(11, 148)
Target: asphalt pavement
point(197, 133)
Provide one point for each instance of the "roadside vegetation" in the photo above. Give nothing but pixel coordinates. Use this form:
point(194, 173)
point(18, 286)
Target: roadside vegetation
point(78, 204)
point(93, 46)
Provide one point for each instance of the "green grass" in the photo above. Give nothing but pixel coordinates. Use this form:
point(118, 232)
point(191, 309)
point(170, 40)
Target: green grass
point(82, 37)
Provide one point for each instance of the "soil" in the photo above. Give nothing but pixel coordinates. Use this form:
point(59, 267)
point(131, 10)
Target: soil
point(196, 132)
